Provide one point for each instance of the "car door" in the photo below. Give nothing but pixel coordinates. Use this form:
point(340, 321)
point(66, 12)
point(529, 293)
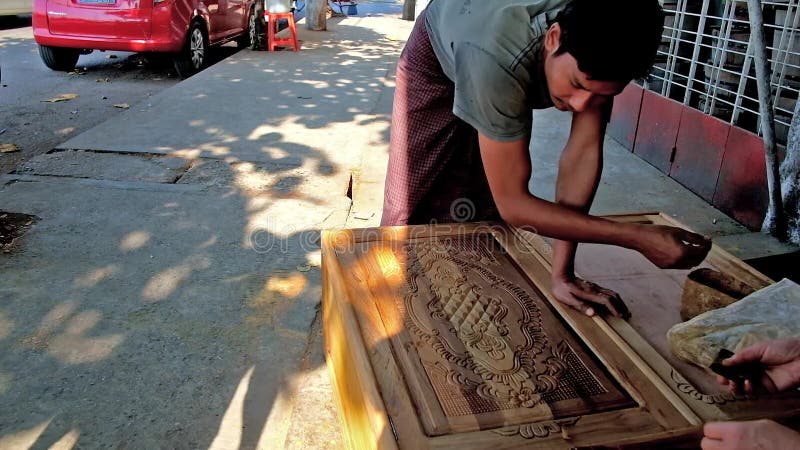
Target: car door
point(216, 18)
point(236, 16)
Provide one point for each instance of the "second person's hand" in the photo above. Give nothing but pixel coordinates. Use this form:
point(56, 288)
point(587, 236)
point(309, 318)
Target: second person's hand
point(780, 360)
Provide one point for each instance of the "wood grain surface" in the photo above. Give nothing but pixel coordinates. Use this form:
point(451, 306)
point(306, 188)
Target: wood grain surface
point(654, 297)
point(476, 340)
point(448, 337)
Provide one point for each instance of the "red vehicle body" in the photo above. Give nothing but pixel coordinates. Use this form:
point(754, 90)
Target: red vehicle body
point(66, 28)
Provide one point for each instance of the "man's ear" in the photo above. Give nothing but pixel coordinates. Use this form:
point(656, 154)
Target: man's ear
point(552, 39)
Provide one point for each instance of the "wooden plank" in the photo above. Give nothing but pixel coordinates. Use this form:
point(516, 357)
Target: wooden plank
point(488, 332)
point(359, 402)
point(688, 438)
point(403, 417)
point(377, 371)
point(560, 434)
point(344, 239)
point(627, 366)
point(373, 290)
point(709, 401)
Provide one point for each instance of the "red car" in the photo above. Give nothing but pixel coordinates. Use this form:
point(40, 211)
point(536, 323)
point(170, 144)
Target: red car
point(65, 29)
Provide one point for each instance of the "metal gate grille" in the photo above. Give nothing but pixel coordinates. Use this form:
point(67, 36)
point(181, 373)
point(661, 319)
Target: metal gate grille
point(706, 62)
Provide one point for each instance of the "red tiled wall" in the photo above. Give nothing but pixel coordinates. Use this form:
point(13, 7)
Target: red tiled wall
point(742, 186)
point(626, 110)
point(658, 130)
point(698, 152)
point(721, 163)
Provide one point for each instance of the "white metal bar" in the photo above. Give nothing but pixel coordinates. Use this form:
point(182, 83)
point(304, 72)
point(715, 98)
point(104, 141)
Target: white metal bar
point(748, 60)
point(725, 36)
point(680, 8)
point(791, 11)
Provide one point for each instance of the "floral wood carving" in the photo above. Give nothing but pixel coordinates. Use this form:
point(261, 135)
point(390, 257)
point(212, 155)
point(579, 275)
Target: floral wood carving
point(539, 429)
point(474, 336)
point(478, 337)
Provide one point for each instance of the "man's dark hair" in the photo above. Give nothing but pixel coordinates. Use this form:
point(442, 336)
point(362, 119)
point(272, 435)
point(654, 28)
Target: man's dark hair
point(612, 40)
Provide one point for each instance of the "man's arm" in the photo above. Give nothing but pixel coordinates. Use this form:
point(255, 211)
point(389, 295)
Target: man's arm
point(579, 171)
point(508, 170)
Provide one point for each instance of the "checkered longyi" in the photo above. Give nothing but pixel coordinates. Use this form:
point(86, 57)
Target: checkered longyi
point(435, 172)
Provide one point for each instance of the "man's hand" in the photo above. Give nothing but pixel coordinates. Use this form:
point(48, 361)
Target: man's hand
point(781, 362)
point(672, 247)
point(755, 435)
point(585, 296)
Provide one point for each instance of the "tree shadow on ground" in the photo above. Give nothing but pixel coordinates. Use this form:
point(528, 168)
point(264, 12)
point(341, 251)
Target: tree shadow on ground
point(144, 315)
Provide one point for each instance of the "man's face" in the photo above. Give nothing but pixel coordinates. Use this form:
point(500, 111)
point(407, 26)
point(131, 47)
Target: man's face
point(570, 89)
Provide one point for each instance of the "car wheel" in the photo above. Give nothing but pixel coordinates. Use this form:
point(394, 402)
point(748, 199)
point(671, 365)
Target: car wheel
point(256, 29)
point(246, 38)
point(59, 58)
point(193, 56)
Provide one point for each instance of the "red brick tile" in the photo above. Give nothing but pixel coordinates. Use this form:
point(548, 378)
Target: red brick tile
point(741, 190)
point(657, 130)
point(625, 115)
point(699, 150)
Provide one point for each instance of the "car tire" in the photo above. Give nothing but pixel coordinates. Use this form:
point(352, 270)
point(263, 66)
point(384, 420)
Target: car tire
point(59, 58)
point(194, 55)
point(256, 30)
point(246, 38)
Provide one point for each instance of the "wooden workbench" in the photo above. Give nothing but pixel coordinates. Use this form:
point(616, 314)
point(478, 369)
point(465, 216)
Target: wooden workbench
point(447, 336)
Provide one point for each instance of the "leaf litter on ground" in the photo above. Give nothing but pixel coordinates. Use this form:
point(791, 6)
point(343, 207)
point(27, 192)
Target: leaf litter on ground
point(61, 98)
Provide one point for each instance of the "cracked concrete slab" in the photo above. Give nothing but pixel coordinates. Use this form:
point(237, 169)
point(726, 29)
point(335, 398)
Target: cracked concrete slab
point(270, 107)
point(140, 314)
point(154, 319)
point(106, 166)
point(317, 184)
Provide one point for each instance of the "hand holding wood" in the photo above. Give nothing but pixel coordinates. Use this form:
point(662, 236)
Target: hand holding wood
point(780, 360)
point(672, 247)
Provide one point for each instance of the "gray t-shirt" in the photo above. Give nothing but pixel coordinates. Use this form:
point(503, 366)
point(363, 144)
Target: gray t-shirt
point(492, 51)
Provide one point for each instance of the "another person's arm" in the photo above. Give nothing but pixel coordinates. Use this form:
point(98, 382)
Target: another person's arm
point(753, 435)
point(781, 362)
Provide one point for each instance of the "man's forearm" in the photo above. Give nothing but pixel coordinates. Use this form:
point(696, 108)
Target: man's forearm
point(564, 259)
point(508, 170)
point(579, 171)
point(564, 223)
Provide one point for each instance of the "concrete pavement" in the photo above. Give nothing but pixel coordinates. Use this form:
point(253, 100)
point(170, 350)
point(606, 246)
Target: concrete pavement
point(167, 296)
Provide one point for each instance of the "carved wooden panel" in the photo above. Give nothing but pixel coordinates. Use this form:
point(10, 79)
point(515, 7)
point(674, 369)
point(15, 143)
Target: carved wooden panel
point(477, 342)
point(654, 296)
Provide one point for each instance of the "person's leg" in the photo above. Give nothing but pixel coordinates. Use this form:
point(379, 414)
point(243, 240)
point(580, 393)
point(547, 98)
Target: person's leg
point(433, 156)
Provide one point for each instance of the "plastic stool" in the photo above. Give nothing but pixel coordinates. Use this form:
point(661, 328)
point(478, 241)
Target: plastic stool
point(272, 29)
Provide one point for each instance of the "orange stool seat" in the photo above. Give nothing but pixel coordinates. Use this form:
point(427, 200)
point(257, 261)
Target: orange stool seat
point(272, 29)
